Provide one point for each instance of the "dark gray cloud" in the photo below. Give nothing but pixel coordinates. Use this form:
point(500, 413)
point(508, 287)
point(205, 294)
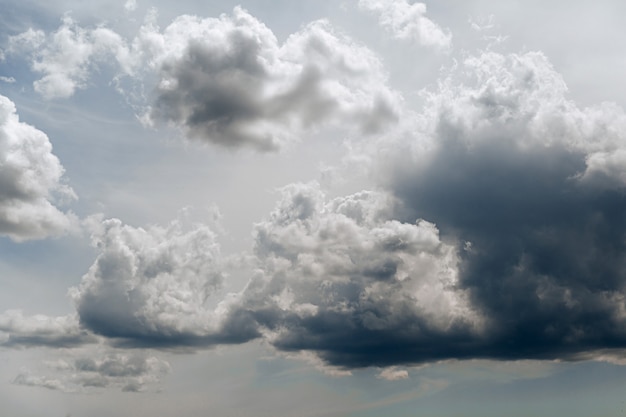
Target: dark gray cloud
point(519, 176)
point(66, 57)
point(519, 250)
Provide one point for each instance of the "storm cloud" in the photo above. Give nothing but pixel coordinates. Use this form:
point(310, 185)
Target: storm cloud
point(530, 188)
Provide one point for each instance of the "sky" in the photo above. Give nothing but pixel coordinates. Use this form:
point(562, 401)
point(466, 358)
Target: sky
point(314, 208)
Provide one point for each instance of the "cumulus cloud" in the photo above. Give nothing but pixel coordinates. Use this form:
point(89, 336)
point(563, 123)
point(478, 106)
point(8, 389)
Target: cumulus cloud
point(18, 330)
point(340, 279)
point(229, 81)
point(134, 372)
point(65, 57)
point(30, 178)
point(531, 187)
point(150, 287)
point(406, 20)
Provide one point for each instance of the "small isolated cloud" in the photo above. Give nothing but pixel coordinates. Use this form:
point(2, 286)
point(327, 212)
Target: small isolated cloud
point(393, 374)
point(407, 21)
point(30, 177)
point(18, 330)
point(129, 372)
point(150, 287)
point(65, 57)
point(228, 81)
point(29, 380)
point(130, 5)
point(8, 80)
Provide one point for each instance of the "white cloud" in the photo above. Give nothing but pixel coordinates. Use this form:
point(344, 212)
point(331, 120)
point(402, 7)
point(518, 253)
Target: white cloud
point(393, 374)
point(339, 279)
point(151, 286)
point(130, 5)
point(225, 80)
point(65, 57)
point(502, 159)
point(30, 177)
point(406, 20)
point(228, 80)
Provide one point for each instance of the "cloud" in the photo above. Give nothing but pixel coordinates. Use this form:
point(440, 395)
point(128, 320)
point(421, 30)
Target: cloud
point(225, 81)
point(30, 176)
point(30, 380)
point(393, 374)
point(66, 56)
point(531, 188)
point(340, 279)
point(407, 21)
point(17, 330)
point(130, 5)
point(151, 287)
point(134, 372)
point(228, 81)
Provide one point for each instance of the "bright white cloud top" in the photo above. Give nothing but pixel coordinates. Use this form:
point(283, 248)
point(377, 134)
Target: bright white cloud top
point(466, 218)
point(30, 179)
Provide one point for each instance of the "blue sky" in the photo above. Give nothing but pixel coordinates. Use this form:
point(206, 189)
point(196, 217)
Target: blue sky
point(317, 208)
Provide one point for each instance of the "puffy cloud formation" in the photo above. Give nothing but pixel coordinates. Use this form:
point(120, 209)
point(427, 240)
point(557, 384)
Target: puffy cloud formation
point(226, 80)
point(65, 57)
point(133, 372)
point(533, 187)
point(30, 176)
point(339, 279)
point(406, 20)
point(150, 287)
point(230, 82)
point(17, 330)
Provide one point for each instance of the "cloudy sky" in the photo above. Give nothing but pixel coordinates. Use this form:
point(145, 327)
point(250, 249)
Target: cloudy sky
point(314, 208)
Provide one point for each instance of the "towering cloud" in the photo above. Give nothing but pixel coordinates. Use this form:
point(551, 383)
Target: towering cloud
point(30, 178)
point(533, 187)
point(340, 279)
